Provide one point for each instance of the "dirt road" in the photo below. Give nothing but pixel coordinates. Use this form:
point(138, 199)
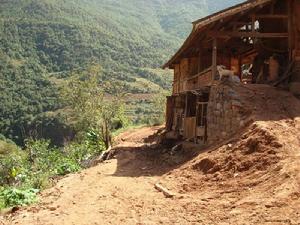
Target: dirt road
point(119, 191)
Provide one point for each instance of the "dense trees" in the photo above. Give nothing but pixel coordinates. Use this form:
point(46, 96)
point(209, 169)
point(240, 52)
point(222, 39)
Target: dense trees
point(25, 93)
point(41, 41)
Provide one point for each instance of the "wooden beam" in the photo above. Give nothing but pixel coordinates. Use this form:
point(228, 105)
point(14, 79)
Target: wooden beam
point(290, 29)
point(240, 67)
point(245, 54)
point(272, 8)
point(186, 105)
point(253, 18)
point(197, 115)
point(216, 34)
point(199, 62)
point(240, 23)
point(214, 59)
point(271, 16)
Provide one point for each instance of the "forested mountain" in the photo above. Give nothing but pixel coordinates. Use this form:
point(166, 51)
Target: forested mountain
point(43, 40)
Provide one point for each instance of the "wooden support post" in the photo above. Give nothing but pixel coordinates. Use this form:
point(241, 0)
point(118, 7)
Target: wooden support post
point(197, 118)
point(186, 105)
point(295, 6)
point(240, 67)
point(188, 68)
point(290, 29)
point(272, 8)
point(253, 23)
point(180, 79)
point(200, 62)
point(214, 59)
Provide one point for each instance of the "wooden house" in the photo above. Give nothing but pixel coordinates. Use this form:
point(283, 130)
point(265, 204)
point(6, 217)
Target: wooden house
point(258, 40)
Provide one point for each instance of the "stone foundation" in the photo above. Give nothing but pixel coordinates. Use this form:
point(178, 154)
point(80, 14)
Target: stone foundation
point(227, 113)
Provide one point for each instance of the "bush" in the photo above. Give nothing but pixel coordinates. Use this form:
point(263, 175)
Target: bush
point(7, 147)
point(24, 172)
point(37, 180)
point(12, 163)
point(46, 162)
point(67, 167)
point(17, 197)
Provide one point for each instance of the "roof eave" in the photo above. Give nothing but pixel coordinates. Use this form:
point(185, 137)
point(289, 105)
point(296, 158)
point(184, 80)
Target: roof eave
point(203, 22)
point(182, 48)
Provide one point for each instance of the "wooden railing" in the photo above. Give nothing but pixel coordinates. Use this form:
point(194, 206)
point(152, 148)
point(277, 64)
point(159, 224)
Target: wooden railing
point(202, 79)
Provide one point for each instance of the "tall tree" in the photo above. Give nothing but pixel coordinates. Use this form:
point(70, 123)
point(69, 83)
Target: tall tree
point(91, 108)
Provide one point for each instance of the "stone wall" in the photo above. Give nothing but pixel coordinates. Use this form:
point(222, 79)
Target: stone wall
point(227, 113)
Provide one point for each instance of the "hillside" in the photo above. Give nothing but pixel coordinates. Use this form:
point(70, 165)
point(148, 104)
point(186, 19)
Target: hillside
point(45, 39)
point(251, 178)
point(122, 36)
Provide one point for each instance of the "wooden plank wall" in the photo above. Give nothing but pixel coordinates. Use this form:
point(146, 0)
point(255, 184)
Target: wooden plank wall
point(206, 61)
point(193, 66)
point(176, 80)
point(296, 16)
point(170, 112)
point(296, 39)
point(184, 68)
point(205, 79)
point(235, 66)
point(177, 72)
point(224, 60)
point(189, 127)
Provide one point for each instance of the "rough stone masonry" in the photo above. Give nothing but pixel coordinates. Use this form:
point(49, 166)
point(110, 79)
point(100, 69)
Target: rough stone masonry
point(226, 111)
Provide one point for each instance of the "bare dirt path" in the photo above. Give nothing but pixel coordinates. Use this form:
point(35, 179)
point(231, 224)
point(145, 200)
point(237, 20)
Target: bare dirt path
point(119, 191)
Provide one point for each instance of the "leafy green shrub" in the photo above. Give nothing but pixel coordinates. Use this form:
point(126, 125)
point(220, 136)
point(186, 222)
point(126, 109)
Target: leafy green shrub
point(23, 172)
point(77, 152)
point(67, 167)
point(2, 137)
point(93, 143)
point(47, 161)
point(18, 197)
point(12, 163)
point(37, 180)
point(7, 147)
point(2, 202)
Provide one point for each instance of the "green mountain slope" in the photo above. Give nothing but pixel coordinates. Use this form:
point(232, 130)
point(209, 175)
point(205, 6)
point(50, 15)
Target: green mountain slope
point(42, 39)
